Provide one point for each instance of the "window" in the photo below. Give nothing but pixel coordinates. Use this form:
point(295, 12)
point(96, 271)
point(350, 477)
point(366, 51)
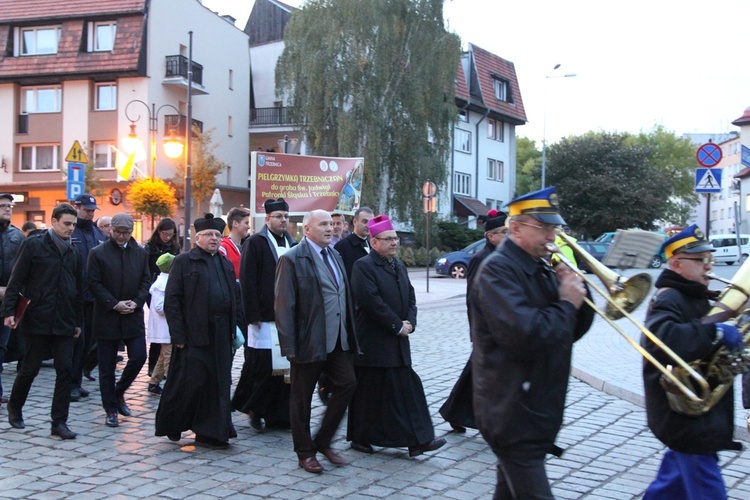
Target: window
point(230, 130)
point(40, 157)
point(495, 170)
point(36, 41)
point(463, 116)
point(462, 139)
point(106, 96)
point(462, 183)
point(101, 36)
point(41, 99)
point(490, 204)
point(502, 90)
point(231, 79)
point(495, 130)
point(104, 157)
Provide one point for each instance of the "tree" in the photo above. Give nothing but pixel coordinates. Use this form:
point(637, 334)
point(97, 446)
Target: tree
point(152, 197)
point(604, 183)
point(675, 157)
point(528, 167)
point(374, 79)
point(204, 168)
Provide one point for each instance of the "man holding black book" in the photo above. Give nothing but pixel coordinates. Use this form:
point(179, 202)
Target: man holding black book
point(47, 272)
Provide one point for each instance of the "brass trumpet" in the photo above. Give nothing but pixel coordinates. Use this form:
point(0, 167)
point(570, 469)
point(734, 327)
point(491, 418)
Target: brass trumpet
point(623, 296)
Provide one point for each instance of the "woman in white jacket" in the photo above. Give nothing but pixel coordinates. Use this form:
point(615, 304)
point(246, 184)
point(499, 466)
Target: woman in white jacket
point(158, 331)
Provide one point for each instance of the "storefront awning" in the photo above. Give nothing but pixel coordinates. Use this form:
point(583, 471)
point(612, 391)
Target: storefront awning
point(465, 206)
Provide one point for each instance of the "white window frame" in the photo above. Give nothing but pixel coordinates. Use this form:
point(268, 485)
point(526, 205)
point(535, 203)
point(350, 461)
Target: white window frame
point(496, 130)
point(112, 105)
point(33, 165)
point(501, 89)
point(462, 183)
point(30, 99)
point(463, 115)
point(103, 148)
point(495, 170)
point(20, 48)
point(462, 140)
point(93, 40)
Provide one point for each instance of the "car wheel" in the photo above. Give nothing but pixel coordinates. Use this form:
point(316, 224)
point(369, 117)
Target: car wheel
point(458, 271)
point(655, 262)
point(730, 262)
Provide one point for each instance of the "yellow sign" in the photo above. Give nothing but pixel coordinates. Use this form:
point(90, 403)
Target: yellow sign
point(76, 154)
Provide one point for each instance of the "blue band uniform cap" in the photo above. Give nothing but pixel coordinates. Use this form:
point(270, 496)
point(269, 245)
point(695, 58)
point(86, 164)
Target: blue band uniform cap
point(542, 205)
point(87, 201)
point(689, 240)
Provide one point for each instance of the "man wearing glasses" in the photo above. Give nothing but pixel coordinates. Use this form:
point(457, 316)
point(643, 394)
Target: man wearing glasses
point(524, 320)
point(119, 279)
point(263, 396)
point(690, 467)
point(10, 242)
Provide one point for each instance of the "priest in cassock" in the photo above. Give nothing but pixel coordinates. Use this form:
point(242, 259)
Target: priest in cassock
point(389, 407)
point(203, 309)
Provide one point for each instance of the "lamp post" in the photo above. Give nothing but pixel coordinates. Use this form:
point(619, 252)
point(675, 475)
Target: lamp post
point(544, 129)
point(172, 145)
point(286, 141)
point(429, 190)
point(188, 144)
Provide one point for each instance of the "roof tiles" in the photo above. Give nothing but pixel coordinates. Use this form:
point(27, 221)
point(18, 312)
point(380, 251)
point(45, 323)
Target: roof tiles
point(489, 66)
point(31, 10)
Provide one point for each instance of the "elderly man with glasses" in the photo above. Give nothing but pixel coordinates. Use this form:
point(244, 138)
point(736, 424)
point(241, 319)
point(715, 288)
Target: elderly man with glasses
point(690, 466)
point(10, 242)
point(119, 279)
point(525, 318)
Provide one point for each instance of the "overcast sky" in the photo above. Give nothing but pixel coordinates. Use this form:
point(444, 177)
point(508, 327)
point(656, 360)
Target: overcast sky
point(639, 63)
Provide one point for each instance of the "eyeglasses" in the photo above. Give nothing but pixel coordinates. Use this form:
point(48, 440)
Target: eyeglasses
point(168, 234)
point(120, 232)
point(390, 239)
point(704, 260)
point(210, 234)
point(279, 216)
point(6, 206)
point(546, 228)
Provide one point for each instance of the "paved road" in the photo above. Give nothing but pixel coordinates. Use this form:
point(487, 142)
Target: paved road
point(609, 451)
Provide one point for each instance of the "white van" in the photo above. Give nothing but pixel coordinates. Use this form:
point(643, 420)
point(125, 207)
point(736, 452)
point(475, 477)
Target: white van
point(726, 247)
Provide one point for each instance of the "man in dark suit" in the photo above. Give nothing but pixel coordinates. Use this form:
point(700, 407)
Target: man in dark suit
point(356, 245)
point(313, 309)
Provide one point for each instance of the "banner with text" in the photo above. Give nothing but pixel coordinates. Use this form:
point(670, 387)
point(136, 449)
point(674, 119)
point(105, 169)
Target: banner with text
point(306, 182)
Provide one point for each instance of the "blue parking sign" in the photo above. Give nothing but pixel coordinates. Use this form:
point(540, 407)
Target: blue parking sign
point(76, 173)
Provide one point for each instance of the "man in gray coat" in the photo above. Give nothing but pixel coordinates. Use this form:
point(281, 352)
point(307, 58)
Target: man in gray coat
point(313, 310)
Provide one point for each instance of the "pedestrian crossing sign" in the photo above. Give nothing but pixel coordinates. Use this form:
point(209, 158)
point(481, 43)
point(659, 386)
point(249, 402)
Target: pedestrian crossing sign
point(708, 180)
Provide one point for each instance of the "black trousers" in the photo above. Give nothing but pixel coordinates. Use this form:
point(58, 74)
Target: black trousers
point(110, 390)
point(82, 345)
point(37, 348)
point(521, 478)
point(340, 371)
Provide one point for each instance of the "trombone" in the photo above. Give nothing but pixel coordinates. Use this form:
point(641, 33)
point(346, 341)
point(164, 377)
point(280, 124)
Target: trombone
point(623, 297)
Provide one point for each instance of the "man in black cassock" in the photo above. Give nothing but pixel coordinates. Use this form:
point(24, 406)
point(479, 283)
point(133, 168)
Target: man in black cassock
point(202, 306)
point(389, 407)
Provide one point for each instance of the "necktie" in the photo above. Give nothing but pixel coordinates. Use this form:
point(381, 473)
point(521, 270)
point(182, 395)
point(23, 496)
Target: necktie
point(327, 262)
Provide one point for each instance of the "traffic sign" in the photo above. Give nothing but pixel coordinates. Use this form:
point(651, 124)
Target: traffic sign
point(76, 173)
point(708, 180)
point(708, 155)
point(745, 156)
point(77, 154)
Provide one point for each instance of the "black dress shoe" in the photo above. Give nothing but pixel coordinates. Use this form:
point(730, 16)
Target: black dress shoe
point(75, 395)
point(174, 437)
point(123, 408)
point(422, 448)
point(15, 418)
point(362, 447)
point(209, 442)
point(112, 420)
point(311, 464)
point(63, 431)
point(256, 422)
point(155, 389)
point(87, 374)
point(84, 393)
point(457, 428)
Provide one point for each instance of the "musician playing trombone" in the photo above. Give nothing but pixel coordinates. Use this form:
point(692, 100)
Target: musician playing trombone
point(690, 467)
point(524, 320)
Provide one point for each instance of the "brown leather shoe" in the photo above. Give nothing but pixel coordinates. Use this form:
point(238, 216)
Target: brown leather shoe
point(333, 457)
point(311, 464)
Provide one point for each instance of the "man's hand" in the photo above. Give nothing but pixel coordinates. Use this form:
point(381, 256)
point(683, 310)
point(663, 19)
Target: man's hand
point(10, 321)
point(2, 292)
point(406, 329)
point(572, 287)
point(124, 307)
point(77, 332)
point(179, 346)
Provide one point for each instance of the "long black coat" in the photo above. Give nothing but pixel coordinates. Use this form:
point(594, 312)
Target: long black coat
point(523, 340)
point(383, 300)
point(257, 275)
point(54, 284)
point(299, 306)
point(117, 274)
point(186, 299)
point(351, 249)
point(674, 317)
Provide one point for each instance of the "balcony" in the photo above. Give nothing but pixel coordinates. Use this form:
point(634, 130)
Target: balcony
point(270, 117)
point(177, 74)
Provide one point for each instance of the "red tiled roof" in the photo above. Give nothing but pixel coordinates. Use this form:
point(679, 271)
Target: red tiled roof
point(744, 119)
point(70, 60)
point(487, 65)
point(29, 10)
point(462, 91)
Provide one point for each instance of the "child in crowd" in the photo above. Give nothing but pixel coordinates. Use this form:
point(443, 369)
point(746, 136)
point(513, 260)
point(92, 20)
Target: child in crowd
point(158, 331)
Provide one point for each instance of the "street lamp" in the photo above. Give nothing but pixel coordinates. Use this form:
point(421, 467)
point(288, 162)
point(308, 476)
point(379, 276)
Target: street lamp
point(188, 144)
point(284, 143)
point(172, 145)
point(544, 130)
